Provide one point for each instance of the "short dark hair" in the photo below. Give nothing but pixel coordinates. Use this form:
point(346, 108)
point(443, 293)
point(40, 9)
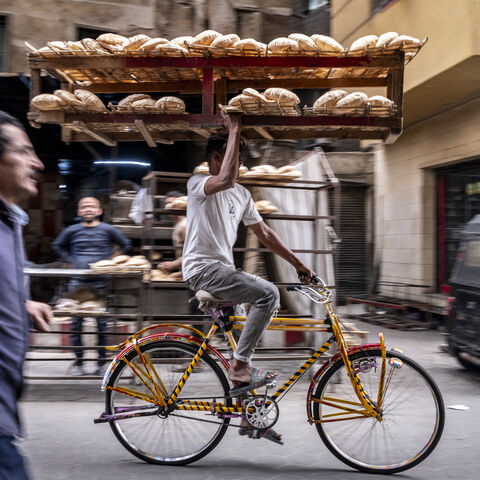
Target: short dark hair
point(7, 119)
point(218, 143)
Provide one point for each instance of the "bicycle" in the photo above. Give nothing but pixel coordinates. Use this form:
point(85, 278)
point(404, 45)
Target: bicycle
point(376, 410)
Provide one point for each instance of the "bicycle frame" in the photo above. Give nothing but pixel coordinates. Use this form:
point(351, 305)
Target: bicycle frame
point(159, 397)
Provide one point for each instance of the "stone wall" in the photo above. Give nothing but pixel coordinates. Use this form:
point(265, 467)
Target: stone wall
point(40, 21)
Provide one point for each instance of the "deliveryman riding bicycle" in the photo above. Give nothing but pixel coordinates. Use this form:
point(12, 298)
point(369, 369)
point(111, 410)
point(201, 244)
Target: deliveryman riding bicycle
point(216, 206)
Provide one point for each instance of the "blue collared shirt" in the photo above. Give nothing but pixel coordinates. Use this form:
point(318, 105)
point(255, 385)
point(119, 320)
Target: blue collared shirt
point(14, 320)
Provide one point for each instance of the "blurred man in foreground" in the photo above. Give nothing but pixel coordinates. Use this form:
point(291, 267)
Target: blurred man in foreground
point(18, 181)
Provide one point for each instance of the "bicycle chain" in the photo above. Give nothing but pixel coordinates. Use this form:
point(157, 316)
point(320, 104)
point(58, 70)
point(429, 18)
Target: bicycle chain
point(202, 420)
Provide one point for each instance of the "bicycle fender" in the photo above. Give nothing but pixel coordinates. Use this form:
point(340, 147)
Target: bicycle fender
point(328, 364)
point(160, 336)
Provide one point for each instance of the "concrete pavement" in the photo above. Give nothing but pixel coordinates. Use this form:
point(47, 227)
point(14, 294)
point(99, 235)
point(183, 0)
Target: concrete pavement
point(63, 443)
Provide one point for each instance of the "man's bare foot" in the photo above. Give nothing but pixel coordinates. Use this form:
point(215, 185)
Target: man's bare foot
point(242, 372)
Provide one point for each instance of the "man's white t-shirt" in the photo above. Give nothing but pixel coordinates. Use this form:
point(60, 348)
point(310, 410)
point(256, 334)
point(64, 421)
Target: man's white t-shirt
point(212, 224)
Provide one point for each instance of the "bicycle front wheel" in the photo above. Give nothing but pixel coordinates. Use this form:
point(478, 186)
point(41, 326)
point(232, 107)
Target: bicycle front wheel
point(183, 436)
point(413, 414)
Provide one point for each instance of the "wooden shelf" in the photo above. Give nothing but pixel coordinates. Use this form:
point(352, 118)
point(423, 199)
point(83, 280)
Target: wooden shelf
point(213, 74)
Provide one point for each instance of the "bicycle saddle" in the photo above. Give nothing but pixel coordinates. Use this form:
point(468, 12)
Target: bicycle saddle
point(208, 298)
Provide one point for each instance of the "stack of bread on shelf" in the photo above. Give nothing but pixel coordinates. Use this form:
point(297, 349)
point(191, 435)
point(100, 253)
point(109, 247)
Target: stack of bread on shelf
point(159, 275)
point(85, 101)
point(211, 42)
point(179, 203)
point(340, 102)
point(265, 207)
point(122, 263)
point(143, 103)
point(266, 171)
point(79, 101)
point(73, 306)
point(274, 101)
point(204, 169)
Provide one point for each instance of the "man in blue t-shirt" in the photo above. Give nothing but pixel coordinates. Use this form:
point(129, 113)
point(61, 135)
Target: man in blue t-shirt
point(82, 244)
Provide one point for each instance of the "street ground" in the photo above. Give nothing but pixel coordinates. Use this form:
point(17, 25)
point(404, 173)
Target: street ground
point(63, 443)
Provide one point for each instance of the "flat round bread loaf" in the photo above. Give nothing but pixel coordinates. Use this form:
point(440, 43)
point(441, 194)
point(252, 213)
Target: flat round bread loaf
point(247, 45)
point(144, 102)
point(385, 38)
point(304, 42)
point(404, 40)
point(171, 50)
point(46, 52)
point(170, 103)
point(264, 168)
point(186, 39)
point(127, 101)
point(93, 47)
point(134, 43)
point(152, 43)
point(380, 101)
point(327, 44)
point(225, 41)
point(202, 169)
point(351, 102)
point(251, 92)
point(368, 41)
point(90, 100)
point(102, 263)
point(120, 259)
point(206, 37)
point(282, 95)
point(111, 39)
point(282, 45)
point(46, 101)
point(286, 169)
point(76, 46)
point(243, 99)
point(328, 100)
point(68, 98)
point(60, 46)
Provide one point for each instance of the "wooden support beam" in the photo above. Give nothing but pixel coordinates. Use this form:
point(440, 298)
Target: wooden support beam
point(263, 133)
point(164, 141)
point(202, 132)
point(221, 93)
point(207, 97)
point(145, 133)
point(35, 83)
point(99, 136)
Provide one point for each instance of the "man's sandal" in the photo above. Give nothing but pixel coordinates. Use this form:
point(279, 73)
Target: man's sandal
point(257, 380)
point(256, 433)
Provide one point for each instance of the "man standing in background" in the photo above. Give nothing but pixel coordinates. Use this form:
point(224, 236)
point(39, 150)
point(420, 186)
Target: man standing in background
point(18, 181)
point(82, 244)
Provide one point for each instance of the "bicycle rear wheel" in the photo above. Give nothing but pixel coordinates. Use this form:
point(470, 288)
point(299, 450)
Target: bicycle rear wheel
point(183, 436)
point(413, 414)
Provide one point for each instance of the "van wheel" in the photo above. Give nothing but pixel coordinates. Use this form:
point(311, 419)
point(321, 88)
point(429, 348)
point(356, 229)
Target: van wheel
point(469, 365)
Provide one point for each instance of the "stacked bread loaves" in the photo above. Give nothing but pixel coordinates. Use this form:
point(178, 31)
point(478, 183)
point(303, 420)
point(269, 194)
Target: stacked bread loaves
point(141, 102)
point(274, 101)
point(179, 203)
point(272, 172)
point(79, 100)
point(204, 169)
point(122, 263)
point(228, 44)
point(339, 102)
point(265, 207)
